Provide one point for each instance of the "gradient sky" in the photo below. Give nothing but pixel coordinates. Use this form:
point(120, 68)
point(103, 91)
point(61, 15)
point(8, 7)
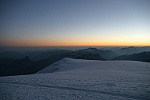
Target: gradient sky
point(74, 22)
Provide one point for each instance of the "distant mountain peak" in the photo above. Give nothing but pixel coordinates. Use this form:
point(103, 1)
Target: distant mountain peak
point(25, 59)
point(90, 49)
point(130, 47)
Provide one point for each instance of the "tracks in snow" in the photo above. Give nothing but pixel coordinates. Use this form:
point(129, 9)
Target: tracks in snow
point(81, 90)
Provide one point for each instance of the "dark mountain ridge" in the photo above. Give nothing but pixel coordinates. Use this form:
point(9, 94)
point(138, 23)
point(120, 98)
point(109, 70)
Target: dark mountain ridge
point(144, 56)
point(32, 61)
point(91, 52)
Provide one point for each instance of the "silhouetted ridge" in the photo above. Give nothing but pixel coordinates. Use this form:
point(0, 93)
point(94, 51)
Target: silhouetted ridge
point(89, 54)
point(129, 50)
point(144, 56)
point(23, 60)
point(29, 62)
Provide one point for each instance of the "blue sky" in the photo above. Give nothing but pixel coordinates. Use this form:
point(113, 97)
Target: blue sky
point(75, 22)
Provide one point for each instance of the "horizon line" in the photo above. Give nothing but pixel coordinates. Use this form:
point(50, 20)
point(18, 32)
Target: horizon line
point(82, 46)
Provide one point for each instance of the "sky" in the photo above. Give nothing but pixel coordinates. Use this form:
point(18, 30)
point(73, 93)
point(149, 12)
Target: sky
point(74, 22)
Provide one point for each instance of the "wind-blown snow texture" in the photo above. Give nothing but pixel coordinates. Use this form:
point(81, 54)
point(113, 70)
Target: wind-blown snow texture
point(76, 79)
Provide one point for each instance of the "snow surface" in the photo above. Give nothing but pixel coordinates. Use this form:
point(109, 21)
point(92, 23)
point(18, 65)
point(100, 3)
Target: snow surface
point(76, 79)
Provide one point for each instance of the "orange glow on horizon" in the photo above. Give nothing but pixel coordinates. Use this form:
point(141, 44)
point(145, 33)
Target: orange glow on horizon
point(75, 43)
point(78, 41)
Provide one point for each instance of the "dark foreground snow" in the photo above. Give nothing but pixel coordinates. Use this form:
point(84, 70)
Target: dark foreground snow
point(75, 79)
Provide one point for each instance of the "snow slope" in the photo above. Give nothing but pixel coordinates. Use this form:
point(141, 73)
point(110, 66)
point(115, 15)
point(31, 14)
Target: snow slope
point(76, 79)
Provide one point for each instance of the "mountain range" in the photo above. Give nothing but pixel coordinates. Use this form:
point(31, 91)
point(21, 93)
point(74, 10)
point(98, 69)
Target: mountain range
point(29, 62)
